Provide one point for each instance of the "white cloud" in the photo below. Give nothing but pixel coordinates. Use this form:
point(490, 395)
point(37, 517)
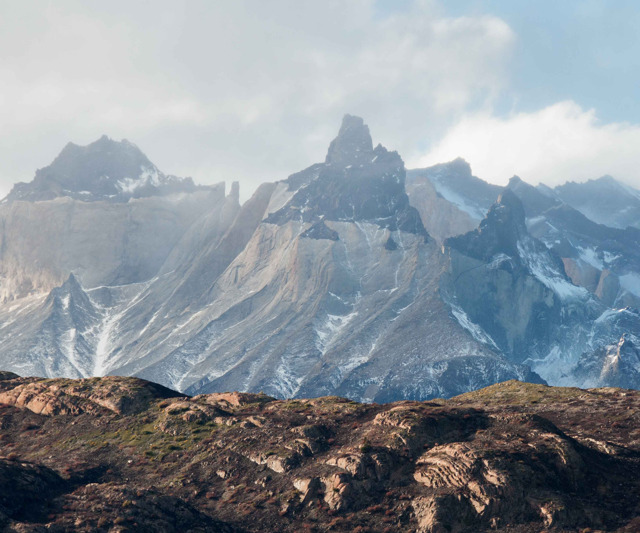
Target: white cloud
point(558, 143)
point(249, 89)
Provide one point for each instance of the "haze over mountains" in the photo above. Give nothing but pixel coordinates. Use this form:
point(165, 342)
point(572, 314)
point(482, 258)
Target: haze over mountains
point(351, 277)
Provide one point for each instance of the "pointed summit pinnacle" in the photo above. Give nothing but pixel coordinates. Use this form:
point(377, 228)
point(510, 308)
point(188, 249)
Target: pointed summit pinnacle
point(509, 200)
point(353, 144)
point(499, 232)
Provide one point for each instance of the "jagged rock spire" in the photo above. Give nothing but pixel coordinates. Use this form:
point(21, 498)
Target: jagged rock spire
point(356, 183)
point(234, 193)
point(353, 145)
point(499, 232)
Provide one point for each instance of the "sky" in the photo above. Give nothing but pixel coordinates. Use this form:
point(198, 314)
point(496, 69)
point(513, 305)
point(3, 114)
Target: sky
point(254, 91)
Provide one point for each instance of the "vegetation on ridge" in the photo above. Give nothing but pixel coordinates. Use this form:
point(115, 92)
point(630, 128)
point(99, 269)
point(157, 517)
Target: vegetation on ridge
point(122, 454)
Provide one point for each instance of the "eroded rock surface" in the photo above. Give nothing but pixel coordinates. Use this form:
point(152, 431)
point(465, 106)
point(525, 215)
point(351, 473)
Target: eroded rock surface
point(513, 457)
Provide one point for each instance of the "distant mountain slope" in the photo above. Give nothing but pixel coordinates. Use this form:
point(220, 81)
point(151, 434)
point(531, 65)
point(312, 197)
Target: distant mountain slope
point(81, 215)
point(605, 201)
point(330, 281)
point(440, 217)
point(326, 282)
point(455, 183)
point(603, 259)
point(103, 170)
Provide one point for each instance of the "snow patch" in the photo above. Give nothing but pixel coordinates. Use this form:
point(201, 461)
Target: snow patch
point(631, 283)
point(535, 220)
point(590, 256)
point(541, 266)
point(331, 328)
point(148, 176)
point(68, 346)
point(474, 211)
point(609, 257)
point(608, 314)
point(476, 331)
point(288, 383)
point(553, 368)
point(497, 260)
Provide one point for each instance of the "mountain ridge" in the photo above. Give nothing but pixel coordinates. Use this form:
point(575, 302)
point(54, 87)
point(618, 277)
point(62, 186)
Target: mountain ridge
point(103, 170)
point(115, 452)
point(326, 282)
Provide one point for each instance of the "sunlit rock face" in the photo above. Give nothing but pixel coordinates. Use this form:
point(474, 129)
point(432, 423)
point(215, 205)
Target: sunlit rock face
point(525, 456)
point(441, 218)
point(454, 182)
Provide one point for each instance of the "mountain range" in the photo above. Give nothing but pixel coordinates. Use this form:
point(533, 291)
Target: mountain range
point(352, 277)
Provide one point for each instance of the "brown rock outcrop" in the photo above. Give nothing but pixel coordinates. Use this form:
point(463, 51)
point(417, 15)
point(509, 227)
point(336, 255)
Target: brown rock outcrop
point(514, 457)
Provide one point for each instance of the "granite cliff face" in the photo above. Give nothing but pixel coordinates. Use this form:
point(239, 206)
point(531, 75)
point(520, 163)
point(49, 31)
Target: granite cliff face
point(103, 212)
point(441, 218)
point(516, 291)
point(357, 183)
point(454, 182)
point(492, 278)
point(603, 259)
point(103, 243)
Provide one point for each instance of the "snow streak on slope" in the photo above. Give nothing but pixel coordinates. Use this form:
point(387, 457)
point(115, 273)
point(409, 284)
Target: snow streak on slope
point(474, 211)
point(631, 282)
point(476, 331)
point(106, 332)
point(331, 328)
point(541, 267)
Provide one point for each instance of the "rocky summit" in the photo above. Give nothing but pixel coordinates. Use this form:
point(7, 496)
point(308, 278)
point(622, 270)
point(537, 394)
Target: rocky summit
point(122, 454)
point(356, 183)
point(103, 170)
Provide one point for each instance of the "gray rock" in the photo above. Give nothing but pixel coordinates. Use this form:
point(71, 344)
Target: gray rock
point(324, 283)
point(605, 201)
point(103, 170)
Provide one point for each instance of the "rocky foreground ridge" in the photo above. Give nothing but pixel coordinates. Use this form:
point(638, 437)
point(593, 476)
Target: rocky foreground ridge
point(124, 454)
